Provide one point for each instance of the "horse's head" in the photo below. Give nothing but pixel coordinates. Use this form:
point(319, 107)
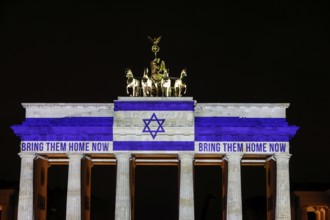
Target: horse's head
point(165, 74)
point(145, 72)
point(183, 73)
point(129, 73)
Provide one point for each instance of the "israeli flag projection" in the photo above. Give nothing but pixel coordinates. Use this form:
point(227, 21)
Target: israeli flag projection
point(162, 125)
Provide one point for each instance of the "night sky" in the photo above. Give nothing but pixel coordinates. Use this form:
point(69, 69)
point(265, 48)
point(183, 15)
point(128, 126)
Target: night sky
point(234, 52)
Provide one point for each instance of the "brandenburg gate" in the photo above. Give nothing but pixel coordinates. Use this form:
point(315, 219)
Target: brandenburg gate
point(151, 128)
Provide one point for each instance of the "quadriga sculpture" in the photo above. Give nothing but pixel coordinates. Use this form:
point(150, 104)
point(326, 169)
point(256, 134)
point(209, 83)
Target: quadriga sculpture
point(133, 85)
point(180, 86)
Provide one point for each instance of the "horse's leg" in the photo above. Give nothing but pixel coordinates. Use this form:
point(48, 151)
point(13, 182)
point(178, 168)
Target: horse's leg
point(157, 89)
point(137, 90)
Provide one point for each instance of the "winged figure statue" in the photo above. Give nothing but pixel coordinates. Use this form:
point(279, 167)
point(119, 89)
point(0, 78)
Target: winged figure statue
point(155, 40)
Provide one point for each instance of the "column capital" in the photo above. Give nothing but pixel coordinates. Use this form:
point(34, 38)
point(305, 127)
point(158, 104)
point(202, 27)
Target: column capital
point(282, 155)
point(75, 155)
point(123, 155)
point(282, 158)
point(27, 154)
point(233, 156)
point(189, 155)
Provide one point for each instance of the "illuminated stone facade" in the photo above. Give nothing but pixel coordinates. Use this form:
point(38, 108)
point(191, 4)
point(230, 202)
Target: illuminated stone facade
point(176, 129)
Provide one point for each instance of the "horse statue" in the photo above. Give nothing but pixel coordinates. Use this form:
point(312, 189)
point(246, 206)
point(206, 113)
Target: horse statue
point(180, 87)
point(133, 85)
point(146, 83)
point(166, 84)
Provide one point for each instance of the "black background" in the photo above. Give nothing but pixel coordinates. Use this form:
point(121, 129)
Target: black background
point(235, 52)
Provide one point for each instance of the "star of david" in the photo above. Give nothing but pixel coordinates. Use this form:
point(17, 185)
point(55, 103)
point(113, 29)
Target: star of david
point(159, 125)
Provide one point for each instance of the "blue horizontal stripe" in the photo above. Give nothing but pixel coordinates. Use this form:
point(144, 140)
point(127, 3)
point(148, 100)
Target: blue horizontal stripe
point(153, 105)
point(66, 129)
point(237, 121)
point(245, 131)
point(81, 137)
point(153, 145)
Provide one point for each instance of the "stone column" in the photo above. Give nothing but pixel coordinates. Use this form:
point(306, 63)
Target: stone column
point(73, 201)
point(322, 214)
point(25, 198)
point(270, 166)
point(318, 214)
point(186, 203)
point(123, 196)
point(86, 188)
point(327, 213)
point(132, 186)
point(224, 167)
point(40, 187)
point(234, 192)
point(283, 206)
point(303, 213)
